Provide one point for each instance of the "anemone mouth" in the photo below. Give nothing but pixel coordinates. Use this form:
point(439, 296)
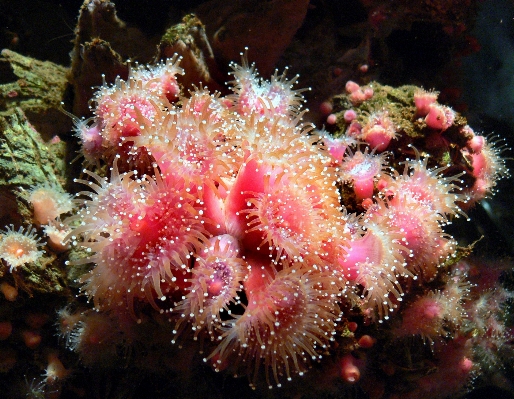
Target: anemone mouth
point(287, 217)
point(214, 288)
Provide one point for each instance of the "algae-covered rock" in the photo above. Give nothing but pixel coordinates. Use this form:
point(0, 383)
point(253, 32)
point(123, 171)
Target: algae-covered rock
point(189, 39)
point(25, 161)
point(398, 104)
point(37, 87)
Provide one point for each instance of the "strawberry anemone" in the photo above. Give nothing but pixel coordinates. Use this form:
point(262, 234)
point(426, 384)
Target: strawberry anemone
point(373, 263)
point(253, 95)
point(290, 317)
point(278, 155)
point(436, 314)
point(288, 216)
point(277, 210)
point(140, 235)
point(336, 146)
point(122, 111)
point(161, 79)
point(282, 139)
point(362, 170)
point(487, 167)
point(428, 187)
point(20, 247)
point(419, 227)
point(191, 142)
point(122, 108)
point(49, 203)
point(216, 280)
point(379, 131)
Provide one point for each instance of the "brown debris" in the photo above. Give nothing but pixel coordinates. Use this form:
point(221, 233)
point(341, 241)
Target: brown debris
point(266, 28)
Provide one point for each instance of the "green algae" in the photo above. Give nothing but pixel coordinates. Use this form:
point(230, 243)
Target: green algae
point(179, 31)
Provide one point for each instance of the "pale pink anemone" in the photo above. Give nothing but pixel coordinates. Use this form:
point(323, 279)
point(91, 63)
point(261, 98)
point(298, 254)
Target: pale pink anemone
point(362, 169)
point(289, 320)
point(18, 248)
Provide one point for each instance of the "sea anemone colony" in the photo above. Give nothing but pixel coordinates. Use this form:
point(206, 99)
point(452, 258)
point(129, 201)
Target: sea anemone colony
point(229, 225)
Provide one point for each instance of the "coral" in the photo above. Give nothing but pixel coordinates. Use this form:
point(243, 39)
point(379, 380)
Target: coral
point(57, 234)
point(35, 389)
point(423, 100)
point(349, 370)
point(336, 147)
point(55, 370)
point(488, 166)
point(426, 244)
point(214, 223)
point(287, 216)
point(10, 293)
point(375, 260)
point(185, 146)
point(161, 78)
point(436, 314)
point(91, 334)
point(427, 186)
point(439, 117)
point(253, 95)
point(239, 237)
point(358, 94)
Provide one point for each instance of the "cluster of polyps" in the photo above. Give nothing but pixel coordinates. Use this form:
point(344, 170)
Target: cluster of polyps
point(240, 233)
